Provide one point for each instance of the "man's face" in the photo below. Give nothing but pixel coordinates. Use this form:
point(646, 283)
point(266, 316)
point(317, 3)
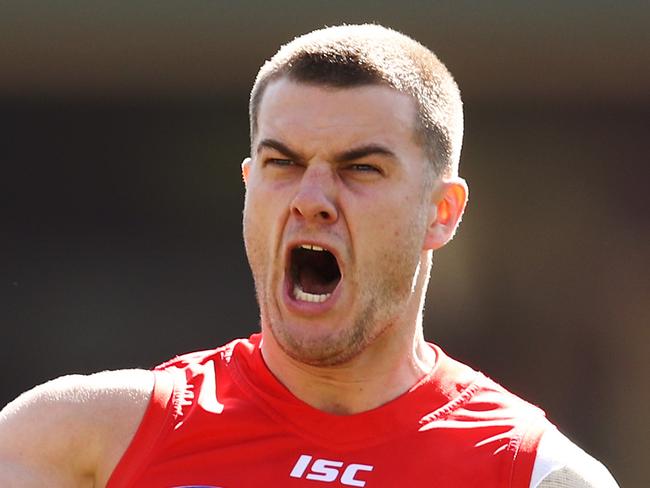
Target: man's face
point(335, 216)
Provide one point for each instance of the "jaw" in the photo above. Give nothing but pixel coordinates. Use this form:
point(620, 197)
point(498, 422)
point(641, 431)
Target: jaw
point(344, 330)
point(322, 341)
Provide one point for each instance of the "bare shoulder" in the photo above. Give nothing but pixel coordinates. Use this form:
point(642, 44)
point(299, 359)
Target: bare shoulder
point(71, 431)
point(568, 466)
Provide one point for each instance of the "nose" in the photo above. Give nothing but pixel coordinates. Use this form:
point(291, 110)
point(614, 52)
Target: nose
point(316, 196)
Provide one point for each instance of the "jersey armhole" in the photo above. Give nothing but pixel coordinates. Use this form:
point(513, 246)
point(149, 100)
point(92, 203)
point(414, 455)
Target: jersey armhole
point(156, 418)
point(526, 453)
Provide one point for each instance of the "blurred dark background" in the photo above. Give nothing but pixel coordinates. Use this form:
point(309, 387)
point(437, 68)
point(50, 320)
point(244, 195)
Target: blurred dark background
point(122, 126)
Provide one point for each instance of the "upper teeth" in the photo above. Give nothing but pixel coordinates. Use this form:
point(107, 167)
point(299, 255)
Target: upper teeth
point(311, 247)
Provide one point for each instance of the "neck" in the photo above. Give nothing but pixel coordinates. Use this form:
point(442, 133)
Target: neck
point(385, 370)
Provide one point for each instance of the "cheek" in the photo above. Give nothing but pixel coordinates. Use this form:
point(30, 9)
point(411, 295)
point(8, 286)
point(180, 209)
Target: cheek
point(389, 222)
point(257, 206)
point(396, 229)
point(253, 224)
point(262, 221)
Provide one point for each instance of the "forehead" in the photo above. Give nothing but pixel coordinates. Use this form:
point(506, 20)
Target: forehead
point(315, 114)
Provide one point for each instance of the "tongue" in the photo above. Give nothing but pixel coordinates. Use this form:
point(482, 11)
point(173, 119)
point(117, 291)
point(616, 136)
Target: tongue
point(311, 282)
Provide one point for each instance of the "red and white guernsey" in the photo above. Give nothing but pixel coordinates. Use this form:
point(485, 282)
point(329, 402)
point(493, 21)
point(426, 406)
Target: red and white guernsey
point(220, 419)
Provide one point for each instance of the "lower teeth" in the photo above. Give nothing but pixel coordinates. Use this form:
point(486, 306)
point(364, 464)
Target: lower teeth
point(309, 297)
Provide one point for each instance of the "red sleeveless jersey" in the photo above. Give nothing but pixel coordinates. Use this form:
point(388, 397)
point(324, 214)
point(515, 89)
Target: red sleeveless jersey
point(221, 419)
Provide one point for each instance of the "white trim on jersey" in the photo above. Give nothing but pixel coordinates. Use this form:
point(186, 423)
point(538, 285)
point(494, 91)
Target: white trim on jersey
point(547, 459)
point(560, 463)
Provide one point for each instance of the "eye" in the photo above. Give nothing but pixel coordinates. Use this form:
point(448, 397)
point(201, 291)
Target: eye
point(280, 162)
point(365, 168)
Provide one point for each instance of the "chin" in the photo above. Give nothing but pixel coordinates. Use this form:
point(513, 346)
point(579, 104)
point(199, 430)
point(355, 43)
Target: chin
point(322, 348)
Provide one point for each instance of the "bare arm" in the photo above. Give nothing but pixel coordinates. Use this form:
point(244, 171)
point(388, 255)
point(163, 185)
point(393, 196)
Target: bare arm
point(72, 431)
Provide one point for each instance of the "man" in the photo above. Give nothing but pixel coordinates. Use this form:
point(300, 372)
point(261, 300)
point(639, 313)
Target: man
point(352, 183)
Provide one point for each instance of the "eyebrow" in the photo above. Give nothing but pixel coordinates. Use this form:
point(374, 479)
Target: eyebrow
point(343, 157)
point(363, 151)
point(278, 146)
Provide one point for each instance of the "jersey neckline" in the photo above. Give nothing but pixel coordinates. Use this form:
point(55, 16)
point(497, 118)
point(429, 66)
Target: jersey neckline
point(449, 385)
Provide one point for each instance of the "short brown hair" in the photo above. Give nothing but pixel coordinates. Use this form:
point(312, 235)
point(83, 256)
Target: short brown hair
point(356, 55)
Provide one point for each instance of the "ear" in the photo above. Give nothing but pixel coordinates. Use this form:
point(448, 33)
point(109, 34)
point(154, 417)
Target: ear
point(448, 201)
point(245, 169)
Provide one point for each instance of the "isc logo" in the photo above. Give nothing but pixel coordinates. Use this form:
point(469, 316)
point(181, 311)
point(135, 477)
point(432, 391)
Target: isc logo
point(329, 471)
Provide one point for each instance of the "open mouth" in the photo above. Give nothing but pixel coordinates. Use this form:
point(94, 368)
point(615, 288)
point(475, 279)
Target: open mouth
point(315, 273)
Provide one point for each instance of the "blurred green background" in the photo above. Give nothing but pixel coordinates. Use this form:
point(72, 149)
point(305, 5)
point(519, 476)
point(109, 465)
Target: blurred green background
point(123, 125)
